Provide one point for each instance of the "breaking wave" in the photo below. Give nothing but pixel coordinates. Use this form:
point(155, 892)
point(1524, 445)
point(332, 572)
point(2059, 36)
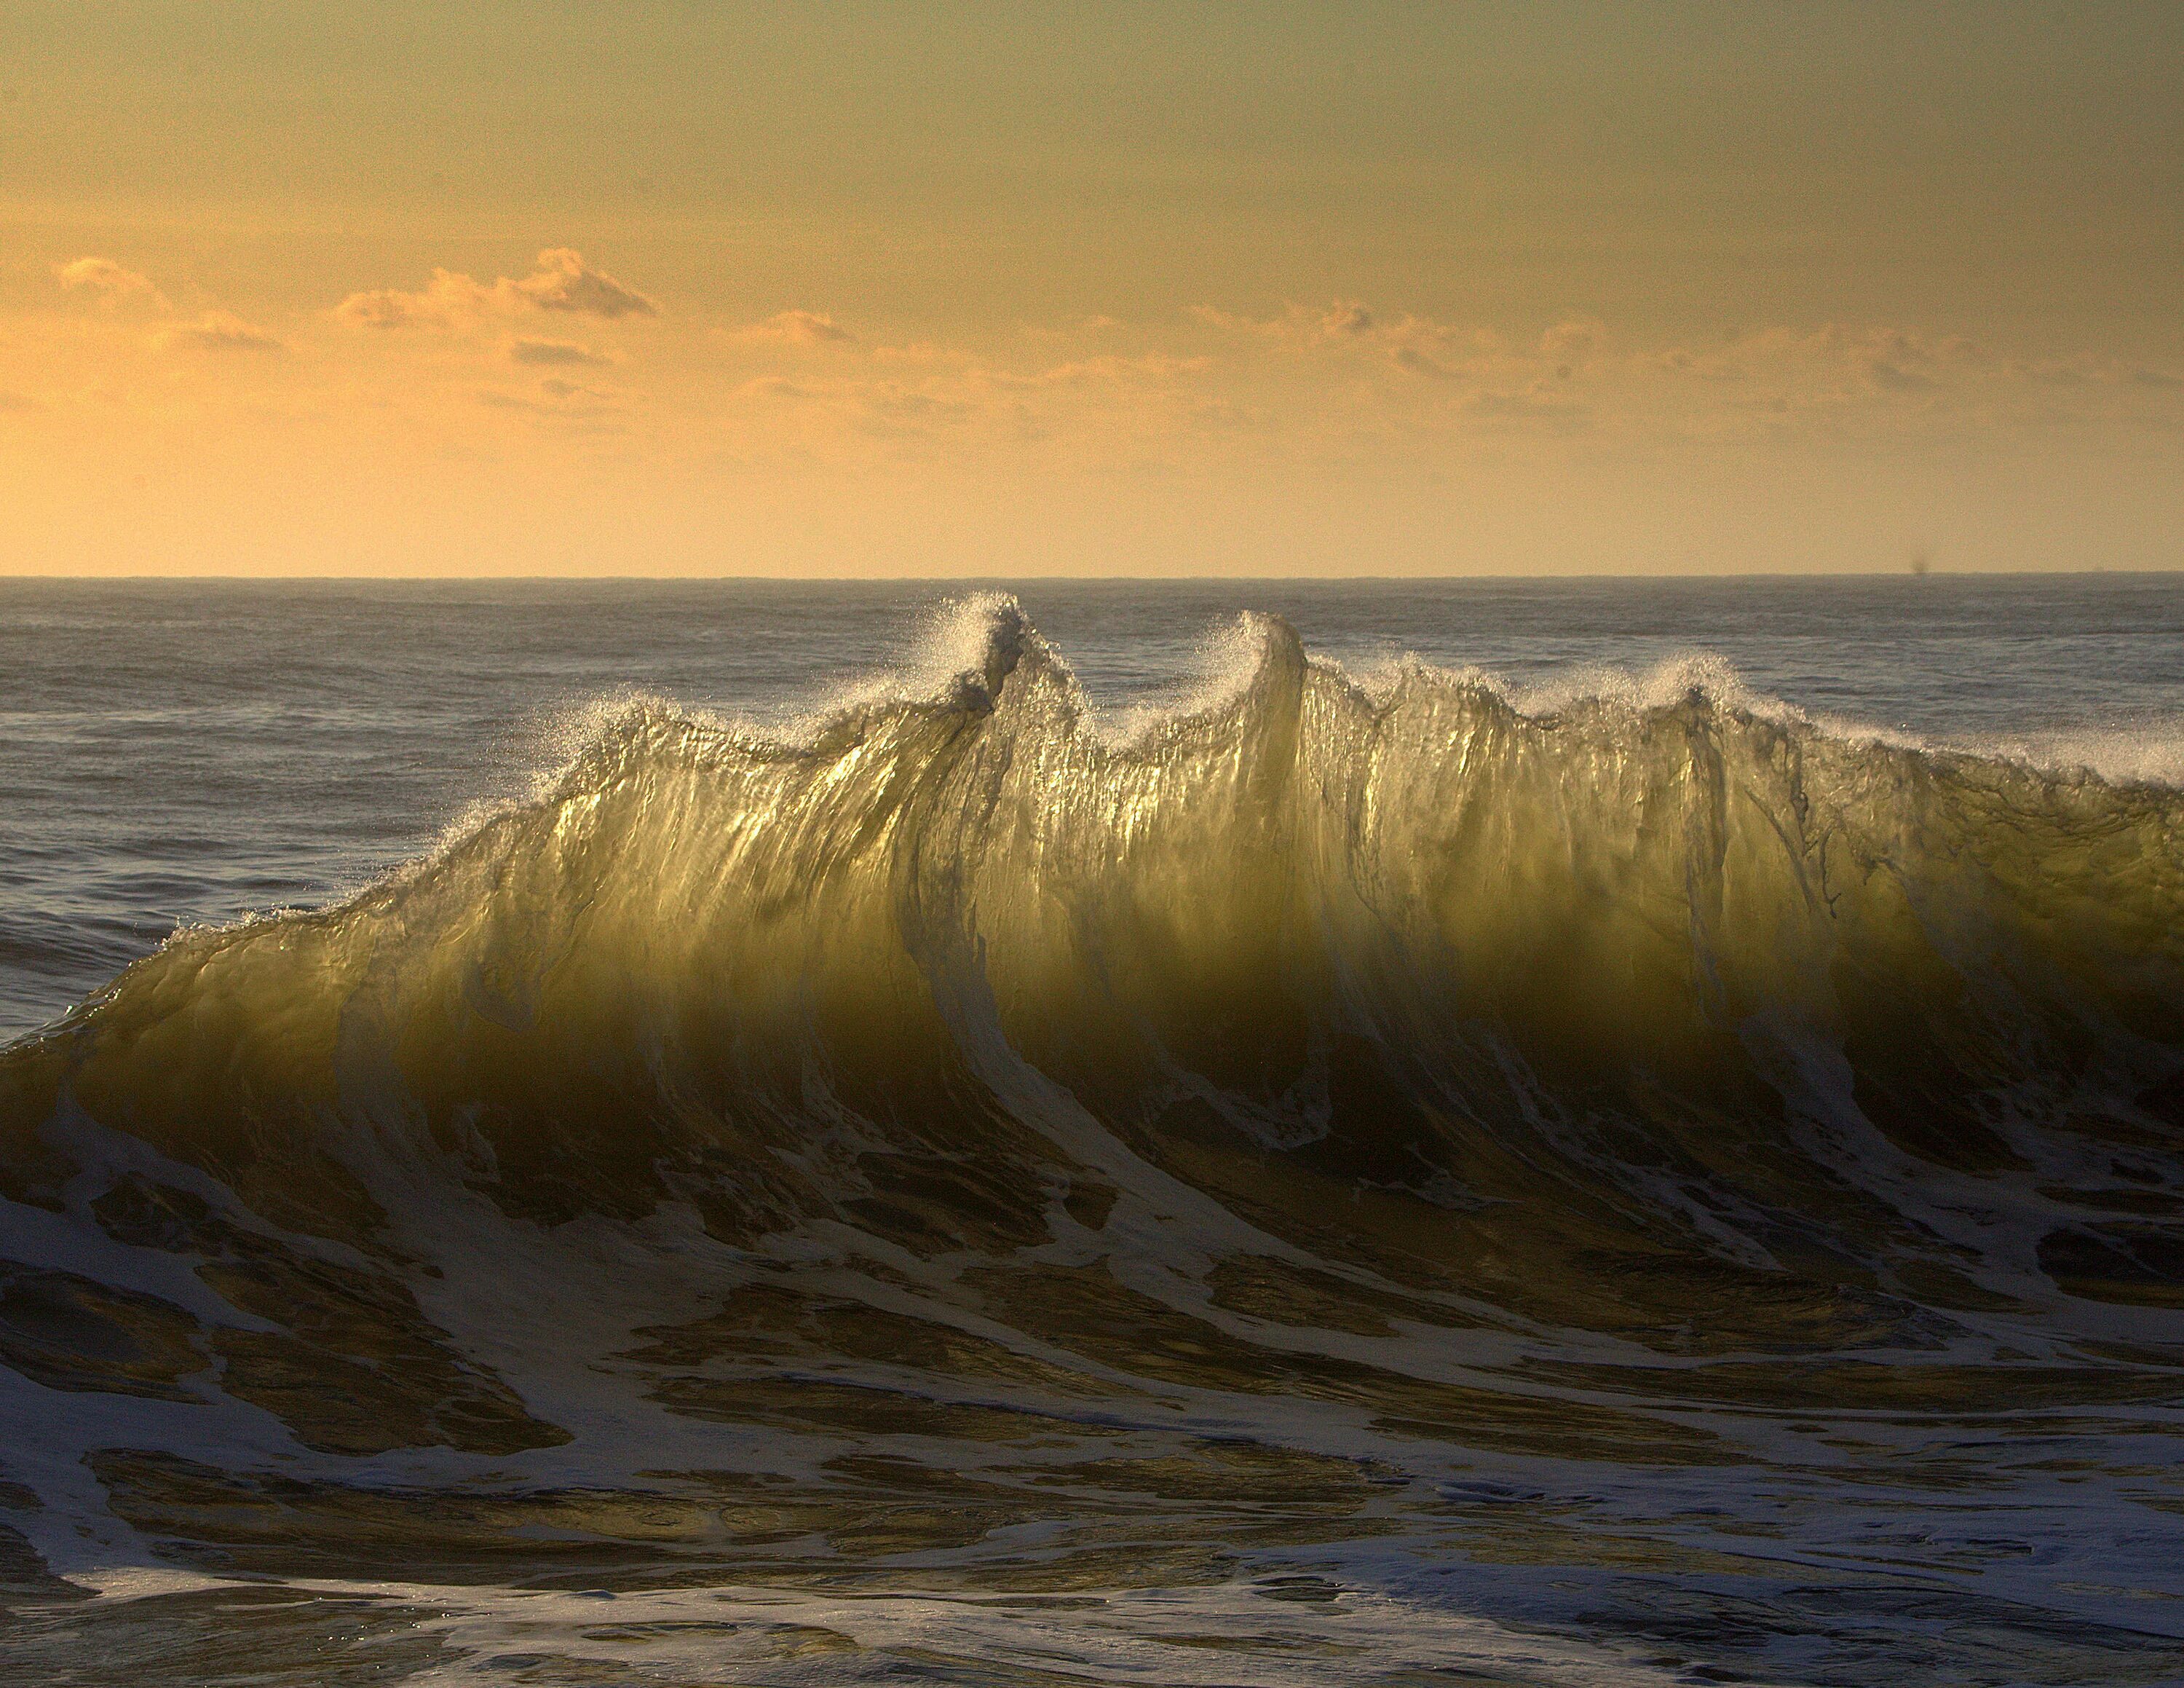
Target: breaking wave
point(1553, 1076)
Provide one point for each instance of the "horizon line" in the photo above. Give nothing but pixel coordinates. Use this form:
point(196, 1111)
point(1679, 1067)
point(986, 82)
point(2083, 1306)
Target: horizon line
point(1896, 573)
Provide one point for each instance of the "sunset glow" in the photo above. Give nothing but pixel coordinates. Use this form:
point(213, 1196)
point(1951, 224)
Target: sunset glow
point(679, 289)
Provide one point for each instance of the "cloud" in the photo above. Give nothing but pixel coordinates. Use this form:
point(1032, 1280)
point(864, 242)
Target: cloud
point(1424, 363)
point(776, 387)
point(1153, 366)
point(1346, 316)
point(1298, 325)
point(215, 331)
point(1213, 316)
point(561, 281)
point(552, 352)
point(1896, 378)
point(1418, 344)
point(1301, 327)
point(564, 282)
point(1571, 341)
point(918, 352)
point(446, 299)
point(219, 331)
point(1073, 328)
point(1818, 361)
point(1901, 360)
point(2088, 369)
point(1536, 408)
point(795, 328)
point(109, 280)
point(563, 400)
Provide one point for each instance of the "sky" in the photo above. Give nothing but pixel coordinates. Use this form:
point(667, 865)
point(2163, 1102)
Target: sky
point(1194, 288)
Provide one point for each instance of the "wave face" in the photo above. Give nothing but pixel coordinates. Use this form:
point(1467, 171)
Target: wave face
point(970, 1145)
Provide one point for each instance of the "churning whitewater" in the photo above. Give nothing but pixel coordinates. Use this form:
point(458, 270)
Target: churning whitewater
point(1341, 1178)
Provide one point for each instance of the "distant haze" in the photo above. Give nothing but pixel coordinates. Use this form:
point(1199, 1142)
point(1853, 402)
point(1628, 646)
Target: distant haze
point(657, 289)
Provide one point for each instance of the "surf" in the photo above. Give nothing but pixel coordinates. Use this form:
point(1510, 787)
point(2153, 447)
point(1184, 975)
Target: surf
point(1393, 1068)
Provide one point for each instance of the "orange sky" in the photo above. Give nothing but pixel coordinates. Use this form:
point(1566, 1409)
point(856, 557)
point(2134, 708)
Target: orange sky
point(671, 288)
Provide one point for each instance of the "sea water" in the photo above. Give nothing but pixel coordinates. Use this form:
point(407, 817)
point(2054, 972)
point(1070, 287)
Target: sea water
point(1246, 1132)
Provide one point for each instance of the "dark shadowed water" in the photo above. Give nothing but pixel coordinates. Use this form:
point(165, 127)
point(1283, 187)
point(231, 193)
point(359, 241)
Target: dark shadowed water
point(1567, 1131)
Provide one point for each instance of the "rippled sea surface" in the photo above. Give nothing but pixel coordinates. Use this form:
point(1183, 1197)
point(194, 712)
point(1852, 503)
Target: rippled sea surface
point(1242, 1133)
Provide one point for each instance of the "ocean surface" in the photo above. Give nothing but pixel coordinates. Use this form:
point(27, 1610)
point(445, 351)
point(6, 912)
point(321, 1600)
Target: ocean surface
point(1248, 1133)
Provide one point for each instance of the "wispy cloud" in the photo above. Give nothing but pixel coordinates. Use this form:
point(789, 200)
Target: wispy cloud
point(552, 352)
point(1896, 378)
point(219, 331)
point(1421, 362)
point(565, 401)
point(1835, 363)
point(562, 281)
point(1346, 316)
point(794, 328)
point(928, 352)
point(1345, 320)
point(110, 280)
point(1153, 366)
point(1536, 406)
point(1350, 327)
point(1569, 342)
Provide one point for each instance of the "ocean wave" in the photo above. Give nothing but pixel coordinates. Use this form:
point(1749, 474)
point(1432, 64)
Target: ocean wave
point(961, 1141)
point(1697, 977)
